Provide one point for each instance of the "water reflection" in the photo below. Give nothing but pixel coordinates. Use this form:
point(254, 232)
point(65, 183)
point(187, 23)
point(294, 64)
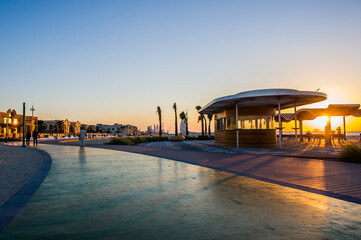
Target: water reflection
point(123, 195)
point(82, 156)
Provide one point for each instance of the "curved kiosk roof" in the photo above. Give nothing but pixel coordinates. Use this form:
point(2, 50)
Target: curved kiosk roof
point(264, 98)
point(247, 118)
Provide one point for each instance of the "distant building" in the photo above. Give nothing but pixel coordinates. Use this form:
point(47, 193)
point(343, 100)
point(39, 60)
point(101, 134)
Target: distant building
point(89, 128)
point(117, 128)
point(12, 124)
point(54, 126)
point(75, 127)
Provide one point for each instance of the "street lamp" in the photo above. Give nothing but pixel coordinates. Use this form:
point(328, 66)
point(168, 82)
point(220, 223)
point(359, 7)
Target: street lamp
point(7, 128)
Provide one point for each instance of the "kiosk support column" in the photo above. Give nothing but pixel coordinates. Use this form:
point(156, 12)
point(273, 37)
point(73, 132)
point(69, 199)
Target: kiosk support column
point(279, 125)
point(24, 119)
point(296, 129)
point(344, 127)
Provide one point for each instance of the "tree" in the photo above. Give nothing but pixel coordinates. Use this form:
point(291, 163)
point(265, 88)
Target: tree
point(201, 118)
point(41, 126)
point(159, 111)
point(210, 117)
point(89, 129)
point(205, 125)
point(59, 124)
point(176, 119)
point(187, 132)
point(51, 128)
point(183, 116)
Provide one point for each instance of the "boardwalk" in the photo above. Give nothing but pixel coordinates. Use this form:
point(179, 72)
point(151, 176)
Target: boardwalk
point(96, 193)
point(289, 166)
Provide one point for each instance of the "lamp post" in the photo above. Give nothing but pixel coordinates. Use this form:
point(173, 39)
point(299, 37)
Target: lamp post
point(32, 109)
point(24, 119)
point(7, 128)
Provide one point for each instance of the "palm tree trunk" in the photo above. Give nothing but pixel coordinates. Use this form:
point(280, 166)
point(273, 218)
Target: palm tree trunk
point(209, 127)
point(176, 122)
point(205, 126)
point(160, 124)
point(202, 125)
point(159, 111)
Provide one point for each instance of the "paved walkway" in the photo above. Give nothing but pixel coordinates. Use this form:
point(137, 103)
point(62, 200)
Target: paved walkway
point(315, 149)
point(96, 193)
point(330, 178)
point(305, 150)
point(17, 166)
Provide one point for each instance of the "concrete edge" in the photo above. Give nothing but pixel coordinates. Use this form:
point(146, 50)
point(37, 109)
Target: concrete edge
point(16, 202)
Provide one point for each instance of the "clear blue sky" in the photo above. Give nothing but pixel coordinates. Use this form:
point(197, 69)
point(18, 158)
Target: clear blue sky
point(116, 61)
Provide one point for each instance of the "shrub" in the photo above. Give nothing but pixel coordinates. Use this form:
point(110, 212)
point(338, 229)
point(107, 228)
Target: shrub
point(206, 137)
point(136, 140)
point(191, 137)
point(351, 153)
point(10, 139)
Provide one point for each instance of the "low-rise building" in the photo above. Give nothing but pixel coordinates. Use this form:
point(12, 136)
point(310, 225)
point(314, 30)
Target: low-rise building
point(75, 127)
point(54, 126)
point(11, 124)
point(117, 128)
point(89, 128)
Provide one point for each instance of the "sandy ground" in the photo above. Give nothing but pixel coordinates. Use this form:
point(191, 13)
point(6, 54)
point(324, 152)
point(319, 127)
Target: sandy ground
point(17, 166)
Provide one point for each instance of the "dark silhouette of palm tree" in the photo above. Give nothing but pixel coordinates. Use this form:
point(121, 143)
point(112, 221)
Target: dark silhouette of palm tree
point(59, 124)
point(187, 132)
point(205, 125)
point(182, 116)
point(176, 118)
point(210, 117)
point(159, 111)
point(201, 118)
point(41, 127)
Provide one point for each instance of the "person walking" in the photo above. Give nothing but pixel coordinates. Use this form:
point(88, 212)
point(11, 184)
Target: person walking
point(28, 136)
point(82, 135)
point(35, 137)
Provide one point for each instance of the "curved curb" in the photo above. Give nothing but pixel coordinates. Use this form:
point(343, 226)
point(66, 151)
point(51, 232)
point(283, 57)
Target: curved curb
point(16, 202)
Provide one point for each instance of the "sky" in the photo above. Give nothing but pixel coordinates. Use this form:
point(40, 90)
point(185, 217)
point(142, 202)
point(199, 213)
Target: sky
point(116, 61)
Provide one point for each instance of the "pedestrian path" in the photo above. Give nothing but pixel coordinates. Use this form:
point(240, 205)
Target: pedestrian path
point(313, 175)
point(305, 150)
point(103, 194)
point(17, 165)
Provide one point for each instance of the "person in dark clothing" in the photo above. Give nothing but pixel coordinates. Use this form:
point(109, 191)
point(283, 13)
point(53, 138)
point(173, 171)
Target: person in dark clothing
point(35, 137)
point(28, 136)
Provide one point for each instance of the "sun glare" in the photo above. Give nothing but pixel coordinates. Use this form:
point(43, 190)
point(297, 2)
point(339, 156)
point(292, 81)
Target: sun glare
point(320, 122)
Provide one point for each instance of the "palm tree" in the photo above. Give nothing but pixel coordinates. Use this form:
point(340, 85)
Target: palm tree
point(41, 126)
point(176, 122)
point(187, 124)
point(59, 123)
point(200, 118)
point(159, 111)
point(210, 117)
point(205, 125)
point(182, 116)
